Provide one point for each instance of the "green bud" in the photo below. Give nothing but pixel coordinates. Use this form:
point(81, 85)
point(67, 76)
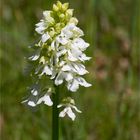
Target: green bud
point(68, 100)
point(62, 16)
point(65, 6)
point(72, 102)
point(52, 32)
point(69, 13)
point(59, 4)
point(42, 60)
point(55, 8)
point(58, 27)
point(73, 20)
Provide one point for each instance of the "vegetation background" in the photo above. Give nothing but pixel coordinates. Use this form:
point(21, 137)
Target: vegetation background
point(111, 107)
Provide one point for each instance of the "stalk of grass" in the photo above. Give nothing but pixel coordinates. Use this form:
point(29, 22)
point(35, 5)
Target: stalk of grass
point(55, 114)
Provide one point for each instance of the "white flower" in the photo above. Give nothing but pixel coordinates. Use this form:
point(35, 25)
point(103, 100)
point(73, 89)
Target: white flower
point(46, 70)
point(68, 32)
point(46, 99)
point(40, 27)
point(71, 30)
point(47, 17)
point(44, 23)
point(75, 67)
point(35, 99)
point(62, 38)
point(68, 110)
point(76, 54)
point(63, 76)
point(80, 43)
point(73, 85)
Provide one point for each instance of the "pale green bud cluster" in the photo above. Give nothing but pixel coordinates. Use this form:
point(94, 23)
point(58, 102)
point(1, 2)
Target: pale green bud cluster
point(59, 17)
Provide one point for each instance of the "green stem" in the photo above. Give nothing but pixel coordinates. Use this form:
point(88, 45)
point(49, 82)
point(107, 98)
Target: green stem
point(55, 115)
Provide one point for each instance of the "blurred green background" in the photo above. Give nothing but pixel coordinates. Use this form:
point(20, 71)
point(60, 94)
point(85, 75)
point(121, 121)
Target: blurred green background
point(111, 107)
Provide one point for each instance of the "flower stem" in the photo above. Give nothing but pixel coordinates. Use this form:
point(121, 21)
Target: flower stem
point(55, 115)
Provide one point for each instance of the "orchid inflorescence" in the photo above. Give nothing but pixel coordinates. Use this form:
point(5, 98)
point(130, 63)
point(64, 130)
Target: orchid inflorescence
point(58, 55)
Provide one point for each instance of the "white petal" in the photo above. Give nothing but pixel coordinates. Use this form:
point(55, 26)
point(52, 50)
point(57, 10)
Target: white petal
point(63, 113)
point(78, 31)
point(48, 101)
point(67, 32)
point(47, 16)
point(60, 105)
point(40, 29)
point(83, 57)
point(83, 82)
point(59, 78)
point(71, 114)
point(68, 76)
point(62, 52)
point(62, 63)
point(24, 101)
point(41, 23)
point(31, 103)
point(46, 13)
point(34, 92)
point(66, 68)
point(35, 56)
point(45, 37)
point(79, 68)
point(53, 74)
point(68, 28)
point(80, 43)
point(73, 86)
point(75, 51)
point(71, 57)
point(46, 70)
point(54, 45)
point(76, 109)
point(62, 39)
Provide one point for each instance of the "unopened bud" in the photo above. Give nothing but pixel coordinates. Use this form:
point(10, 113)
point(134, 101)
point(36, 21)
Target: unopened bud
point(74, 20)
point(69, 12)
point(59, 4)
point(42, 60)
point(55, 8)
point(61, 16)
point(65, 6)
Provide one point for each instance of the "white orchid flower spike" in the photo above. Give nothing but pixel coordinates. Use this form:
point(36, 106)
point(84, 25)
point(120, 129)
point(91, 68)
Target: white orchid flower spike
point(58, 57)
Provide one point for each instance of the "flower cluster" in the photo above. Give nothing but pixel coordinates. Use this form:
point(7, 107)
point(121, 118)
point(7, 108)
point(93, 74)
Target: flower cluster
point(59, 54)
